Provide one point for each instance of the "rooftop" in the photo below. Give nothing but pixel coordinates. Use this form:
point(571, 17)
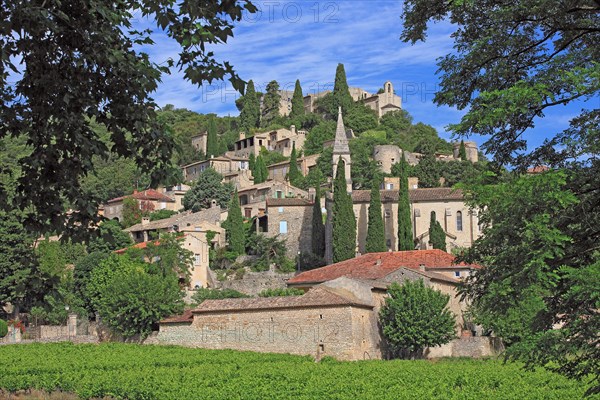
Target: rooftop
point(374, 266)
point(211, 215)
point(425, 194)
point(148, 194)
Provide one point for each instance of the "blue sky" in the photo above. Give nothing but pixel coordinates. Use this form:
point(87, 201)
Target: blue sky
point(289, 40)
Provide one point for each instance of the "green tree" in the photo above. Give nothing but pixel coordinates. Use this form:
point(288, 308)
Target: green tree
point(520, 76)
point(405, 231)
point(281, 292)
point(270, 250)
point(216, 294)
point(3, 328)
point(270, 106)
point(212, 145)
point(250, 113)
point(415, 317)
point(161, 214)
point(341, 92)
point(82, 273)
point(294, 175)
point(134, 211)
point(234, 226)
point(252, 162)
point(462, 151)
point(102, 75)
point(109, 237)
point(344, 222)
point(437, 236)
point(260, 173)
point(375, 229)
point(318, 227)
point(297, 102)
point(134, 300)
point(205, 189)
point(19, 275)
point(168, 256)
point(321, 133)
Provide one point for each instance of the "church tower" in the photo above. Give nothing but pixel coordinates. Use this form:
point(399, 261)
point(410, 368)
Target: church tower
point(341, 149)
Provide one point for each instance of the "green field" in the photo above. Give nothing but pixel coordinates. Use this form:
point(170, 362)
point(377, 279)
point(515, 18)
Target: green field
point(154, 372)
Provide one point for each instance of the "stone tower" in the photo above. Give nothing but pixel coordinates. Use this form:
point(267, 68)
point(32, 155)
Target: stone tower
point(341, 149)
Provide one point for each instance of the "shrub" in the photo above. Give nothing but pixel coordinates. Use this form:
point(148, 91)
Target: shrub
point(415, 317)
point(281, 292)
point(216, 294)
point(3, 328)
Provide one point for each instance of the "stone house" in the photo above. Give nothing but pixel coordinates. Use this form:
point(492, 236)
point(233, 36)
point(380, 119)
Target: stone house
point(337, 316)
point(148, 199)
point(279, 171)
point(289, 219)
point(224, 165)
point(280, 140)
point(253, 198)
point(199, 141)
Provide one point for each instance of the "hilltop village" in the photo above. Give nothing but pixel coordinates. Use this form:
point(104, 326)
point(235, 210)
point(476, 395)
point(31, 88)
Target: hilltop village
point(321, 200)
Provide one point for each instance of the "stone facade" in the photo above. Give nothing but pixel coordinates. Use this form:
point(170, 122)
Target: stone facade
point(279, 171)
point(291, 219)
point(255, 282)
point(279, 140)
point(199, 142)
point(224, 165)
point(149, 199)
point(341, 150)
point(471, 150)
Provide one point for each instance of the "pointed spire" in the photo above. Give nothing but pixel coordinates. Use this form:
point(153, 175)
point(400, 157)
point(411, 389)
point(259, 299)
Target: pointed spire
point(340, 146)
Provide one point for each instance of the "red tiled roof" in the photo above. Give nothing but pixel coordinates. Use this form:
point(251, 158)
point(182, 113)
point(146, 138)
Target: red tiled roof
point(378, 265)
point(537, 169)
point(187, 316)
point(425, 194)
point(141, 245)
point(149, 194)
point(318, 297)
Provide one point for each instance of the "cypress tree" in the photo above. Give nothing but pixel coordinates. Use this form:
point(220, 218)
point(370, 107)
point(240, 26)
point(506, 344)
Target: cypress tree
point(294, 174)
point(260, 173)
point(437, 236)
point(297, 101)
point(341, 92)
point(271, 102)
point(252, 162)
point(212, 145)
point(250, 114)
point(318, 233)
point(462, 151)
point(344, 222)
point(375, 229)
point(234, 226)
point(405, 235)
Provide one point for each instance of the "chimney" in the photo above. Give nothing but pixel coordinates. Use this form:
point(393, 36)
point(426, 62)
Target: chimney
point(422, 267)
point(145, 220)
point(293, 129)
point(378, 261)
point(242, 135)
point(213, 203)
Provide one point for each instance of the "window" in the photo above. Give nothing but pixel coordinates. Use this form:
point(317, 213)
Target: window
point(388, 213)
point(459, 226)
point(388, 243)
point(389, 186)
point(280, 209)
point(248, 212)
point(457, 274)
point(197, 259)
point(283, 227)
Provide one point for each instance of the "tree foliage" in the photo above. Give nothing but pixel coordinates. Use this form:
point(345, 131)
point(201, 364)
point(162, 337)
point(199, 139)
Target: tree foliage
point(318, 227)
point(415, 317)
point(437, 236)
point(375, 229)
point(216, 294)
point(205, 189)
point(234, 226)
point(80, 60)
point(212, 145)
point(405, 231)
point(297, 102)
point(344, 222)
point(270, 104)
point(260, 172)
point(294, 175)
point(250, 112)
point(167, 256)
point(462, 151)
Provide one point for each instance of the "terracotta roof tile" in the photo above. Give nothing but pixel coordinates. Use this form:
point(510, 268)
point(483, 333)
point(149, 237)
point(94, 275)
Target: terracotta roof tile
point(318, 297)
point(149, 194)
point(373, 266)
point(425, 194)
point(187, 316)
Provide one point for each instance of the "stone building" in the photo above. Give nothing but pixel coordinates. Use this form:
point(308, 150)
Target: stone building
point(253, 199)
point(199, 142)
point(291, 220)
point(471, 150)
point(225, 165)
point(279, 171)
point(280, 140)
point(336, 317)
point(341, 150)
point(148, 199)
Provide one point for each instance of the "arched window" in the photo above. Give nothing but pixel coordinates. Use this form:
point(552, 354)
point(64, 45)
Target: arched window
point(459, 226)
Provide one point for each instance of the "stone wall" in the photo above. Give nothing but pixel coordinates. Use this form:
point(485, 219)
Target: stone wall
point(342, 332)
point(473, 347)
point(255, 282)
point(298, 219)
